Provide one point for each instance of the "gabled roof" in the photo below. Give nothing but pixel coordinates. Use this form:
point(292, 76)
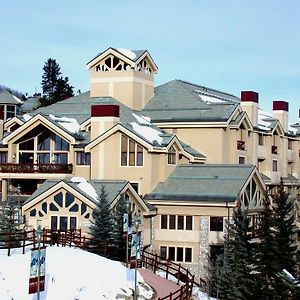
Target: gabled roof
point(79, 108)
point(8, 98)
point(180, 101)
point(195, 182)
point(134, 56)
point(90, 189)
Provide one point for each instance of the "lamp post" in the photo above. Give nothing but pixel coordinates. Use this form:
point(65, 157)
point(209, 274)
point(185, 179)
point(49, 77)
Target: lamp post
point(127, 233)
point(136, 224)
point(19, 209)
point(39, 236)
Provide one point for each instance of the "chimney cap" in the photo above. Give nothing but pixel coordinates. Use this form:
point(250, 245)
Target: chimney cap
point(280, 105)
point(105, 110)
point(249, 96)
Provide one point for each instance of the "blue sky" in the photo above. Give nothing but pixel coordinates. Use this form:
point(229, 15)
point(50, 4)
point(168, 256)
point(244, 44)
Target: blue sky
point(226, 45)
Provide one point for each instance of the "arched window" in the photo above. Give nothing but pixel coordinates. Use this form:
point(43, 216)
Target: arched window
point(172, 156)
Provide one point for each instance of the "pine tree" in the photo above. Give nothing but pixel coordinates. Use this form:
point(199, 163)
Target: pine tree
point(55, 87)
point(284, 225)
point(266, 265)
point(118, 241)
point(8, 224)
point(102, 225)
point(227, 287)
point(50, 77)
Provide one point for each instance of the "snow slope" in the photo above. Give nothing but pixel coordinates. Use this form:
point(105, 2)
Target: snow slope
point(71, 274)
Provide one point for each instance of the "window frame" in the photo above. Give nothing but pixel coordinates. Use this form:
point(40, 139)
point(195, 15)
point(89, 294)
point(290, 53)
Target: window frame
point(132, 153)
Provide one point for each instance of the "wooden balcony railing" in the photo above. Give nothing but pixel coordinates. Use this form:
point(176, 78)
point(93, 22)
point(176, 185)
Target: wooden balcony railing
point(241, 145)
point(36, 168)
point(274, 149)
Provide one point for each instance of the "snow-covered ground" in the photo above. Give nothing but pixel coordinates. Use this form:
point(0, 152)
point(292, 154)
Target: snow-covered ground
point(71, 274)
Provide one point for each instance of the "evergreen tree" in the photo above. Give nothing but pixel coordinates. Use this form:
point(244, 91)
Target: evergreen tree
point(227, 287)
point(102, 225)
point(55, 87)
point(118, 241)
point(284, 226)
point(237, 262)
point(266, 265)
point(8, 224)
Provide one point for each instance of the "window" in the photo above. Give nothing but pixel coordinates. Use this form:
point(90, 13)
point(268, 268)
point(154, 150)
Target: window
point(188, 222)
point(241, 160)
point(59, 199)
point(44, 141)
point(3, 157)
point(164, 222)
point(290, 144)
point(53, 222)
point(69, 199)
point(63, 223)
point(131, 153)
point(180, 222)
point(61, 144)
point(135, 186)
point(73, 222)
point(61, 158)
point(171, 253)
point(179, 254)
point(43, 158)
point(10, 111)
point(216, 223)
point(83, 158)
point(27, 145)
point(172, 156)
point(260, 140)
point(274, 166)
point(163, 252)
point(172, 222)
point(188, 254)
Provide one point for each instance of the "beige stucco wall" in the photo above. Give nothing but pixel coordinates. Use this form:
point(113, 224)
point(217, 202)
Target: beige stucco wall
point(131, 87)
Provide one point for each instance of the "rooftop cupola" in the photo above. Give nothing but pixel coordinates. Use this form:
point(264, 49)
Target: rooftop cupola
point(126, 75)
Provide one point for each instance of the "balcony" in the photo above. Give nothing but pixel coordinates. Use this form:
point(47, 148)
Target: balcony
point(274, 149)
point(241, 145)
point(36, 168)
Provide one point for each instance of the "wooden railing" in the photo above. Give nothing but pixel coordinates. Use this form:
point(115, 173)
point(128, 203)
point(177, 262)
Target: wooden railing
point(36, 168)
point(74, 238)
point(155, 263)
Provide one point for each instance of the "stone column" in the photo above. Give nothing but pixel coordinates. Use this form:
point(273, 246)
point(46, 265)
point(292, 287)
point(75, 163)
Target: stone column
point(4, 189)
point(204, 248)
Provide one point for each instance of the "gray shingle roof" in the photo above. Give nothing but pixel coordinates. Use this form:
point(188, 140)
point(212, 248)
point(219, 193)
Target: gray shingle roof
point(112, 188)
point(203, 183)
point(8, 98)
point(79, 108)
point(180, 101)
point(138, 53)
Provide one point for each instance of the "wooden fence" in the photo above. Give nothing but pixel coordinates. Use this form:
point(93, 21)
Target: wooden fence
point(170, 269)
point(74, 238)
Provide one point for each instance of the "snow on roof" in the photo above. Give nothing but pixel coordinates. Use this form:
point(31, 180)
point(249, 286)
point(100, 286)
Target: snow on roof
point(127, 53)
point(70, 274)
point(264, 119)
point(17, 99)
point(142, 119)
point(211, 99)
point(149, 133)
point(70, 124)
point(85, 187)
point(26, 117)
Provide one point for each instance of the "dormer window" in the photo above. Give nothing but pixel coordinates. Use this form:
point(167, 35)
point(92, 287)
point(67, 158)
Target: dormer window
point(172, 156)
point(7, 111)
